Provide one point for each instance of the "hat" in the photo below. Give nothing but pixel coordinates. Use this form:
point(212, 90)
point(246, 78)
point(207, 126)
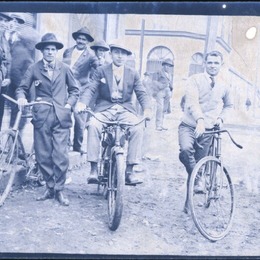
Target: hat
point(19, 17)
point(168, 62)
point(48, 38)
point(84, 31)
point(120, 44)
point(6, 16)
point(100, 44)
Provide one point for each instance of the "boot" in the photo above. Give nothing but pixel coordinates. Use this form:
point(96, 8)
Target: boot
point(61, 198)
point(48, 194)
point(93, 176)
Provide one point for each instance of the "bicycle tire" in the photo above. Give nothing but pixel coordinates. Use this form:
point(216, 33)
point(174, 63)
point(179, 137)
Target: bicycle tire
point(116, 182)
point(8, 162)
point(212, 209)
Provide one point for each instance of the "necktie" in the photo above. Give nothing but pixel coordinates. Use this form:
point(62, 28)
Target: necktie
point(50, 66)
point(212, 84)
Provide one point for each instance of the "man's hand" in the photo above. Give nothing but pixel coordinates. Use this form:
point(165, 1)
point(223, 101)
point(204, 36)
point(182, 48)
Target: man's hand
point(6, 82)
point(21, 102)
point(148, 114)
point(219, 122)
point(200, 128)
point(80, 107)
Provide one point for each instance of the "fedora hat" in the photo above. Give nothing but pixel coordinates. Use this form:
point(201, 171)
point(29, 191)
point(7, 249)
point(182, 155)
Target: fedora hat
point(48, 38)
point(120, 44)
point(100, 44)
point(168, 62)
point(5, 16)
point(19, 17)
point(84, 31)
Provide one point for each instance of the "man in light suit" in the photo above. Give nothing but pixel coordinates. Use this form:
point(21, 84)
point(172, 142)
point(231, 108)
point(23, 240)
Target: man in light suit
point(53, 82)
point(207, 103)
point(81, 61)
point(115, 84)
point(163, 80)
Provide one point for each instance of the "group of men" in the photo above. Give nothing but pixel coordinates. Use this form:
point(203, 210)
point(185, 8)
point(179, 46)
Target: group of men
point(84, 79)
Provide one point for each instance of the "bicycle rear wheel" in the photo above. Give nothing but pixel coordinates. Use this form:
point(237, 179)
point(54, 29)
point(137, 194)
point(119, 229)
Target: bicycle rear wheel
point(212, 208)
point(8, 163)
point(116, 182)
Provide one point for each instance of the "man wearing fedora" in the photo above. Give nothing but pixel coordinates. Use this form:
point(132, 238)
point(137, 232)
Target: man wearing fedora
point(5, 58)
point(115, 84)
point(100, 48)
point(53, 82)
point(163, 80)
point(81, 61)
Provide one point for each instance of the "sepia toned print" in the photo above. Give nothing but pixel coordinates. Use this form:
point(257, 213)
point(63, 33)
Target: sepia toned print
point(154, 66)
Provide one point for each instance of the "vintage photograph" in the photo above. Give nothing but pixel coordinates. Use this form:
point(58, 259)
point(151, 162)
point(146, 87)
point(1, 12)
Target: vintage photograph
point(129, 131)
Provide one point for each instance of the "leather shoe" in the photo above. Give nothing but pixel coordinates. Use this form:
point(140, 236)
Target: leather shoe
point(62, 199)
point(198, 186)
point(131, 179)
point(93, 177)
point(161, 128)
point(48, 194)
point(79, 150)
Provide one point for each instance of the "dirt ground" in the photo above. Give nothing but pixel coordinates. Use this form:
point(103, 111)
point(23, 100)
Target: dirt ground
point(153, 223)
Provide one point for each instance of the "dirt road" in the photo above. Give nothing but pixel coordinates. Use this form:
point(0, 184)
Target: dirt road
point(153, 222)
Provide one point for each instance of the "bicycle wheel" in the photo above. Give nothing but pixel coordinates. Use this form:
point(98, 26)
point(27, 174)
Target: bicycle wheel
point(116, 182)
point(213, 207)
point(8, 163)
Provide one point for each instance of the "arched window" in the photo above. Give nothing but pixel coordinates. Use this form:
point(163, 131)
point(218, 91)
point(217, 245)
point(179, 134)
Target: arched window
point(156, 56)
point(196, 63)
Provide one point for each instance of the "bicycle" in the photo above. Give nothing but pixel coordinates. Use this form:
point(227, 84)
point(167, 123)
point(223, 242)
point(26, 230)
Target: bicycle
point(13, 157)
point(212, 208)
point(111, 166)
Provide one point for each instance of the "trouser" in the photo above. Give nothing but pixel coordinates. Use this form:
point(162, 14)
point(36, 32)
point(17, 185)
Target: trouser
point(2, 104)
point(51, 151)
point(162, 99)
point(116, 112)
point(190, 153)
point(79, 127)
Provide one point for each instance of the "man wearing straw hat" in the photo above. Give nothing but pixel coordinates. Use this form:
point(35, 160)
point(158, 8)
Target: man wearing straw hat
point(53, 82)
point(81, 61)
point(115, 84)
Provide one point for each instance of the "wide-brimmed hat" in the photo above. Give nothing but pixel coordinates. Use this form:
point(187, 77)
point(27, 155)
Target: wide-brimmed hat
point(19, 17)
point(120, 44)
point(48, 38)
point(168, 62)
point(84, 31)
point(100, 44)
point(7, 17)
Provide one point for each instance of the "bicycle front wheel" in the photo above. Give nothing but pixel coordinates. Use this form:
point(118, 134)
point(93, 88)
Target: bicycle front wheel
point(212, 206)
point(116, 182)
point(8, 162)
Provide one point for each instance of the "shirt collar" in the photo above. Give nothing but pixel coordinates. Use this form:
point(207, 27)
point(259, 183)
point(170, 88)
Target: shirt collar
point(45, 62)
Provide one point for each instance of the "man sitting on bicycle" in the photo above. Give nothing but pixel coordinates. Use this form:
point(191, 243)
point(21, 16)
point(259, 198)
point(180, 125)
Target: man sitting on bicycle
point(114, 84)
point(207, 102)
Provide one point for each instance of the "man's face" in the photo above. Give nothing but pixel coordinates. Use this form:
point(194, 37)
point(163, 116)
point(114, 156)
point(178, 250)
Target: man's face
point(167, 68)
point(49, 52)
point(13, 25)
point(119, 56)
point(100, 52)
point(213, 65)
point(81, 42)
point(3, 24)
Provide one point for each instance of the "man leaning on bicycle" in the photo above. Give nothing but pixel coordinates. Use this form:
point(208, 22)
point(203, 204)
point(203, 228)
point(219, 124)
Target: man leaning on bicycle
point(207, 102)
point(115, 84)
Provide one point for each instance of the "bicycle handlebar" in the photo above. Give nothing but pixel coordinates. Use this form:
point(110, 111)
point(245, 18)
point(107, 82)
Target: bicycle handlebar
point(28, 104)
point(223, 131)
point(114, 122)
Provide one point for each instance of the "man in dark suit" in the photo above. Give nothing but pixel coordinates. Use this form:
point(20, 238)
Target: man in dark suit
point(163, 80)
point(53, 82)
point(115, 84)
point(81, 61)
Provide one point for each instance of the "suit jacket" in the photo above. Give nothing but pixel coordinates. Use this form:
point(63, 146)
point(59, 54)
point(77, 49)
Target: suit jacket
point(103, 84)
point(161, 80)
point(60, 90)
point(83, 66)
